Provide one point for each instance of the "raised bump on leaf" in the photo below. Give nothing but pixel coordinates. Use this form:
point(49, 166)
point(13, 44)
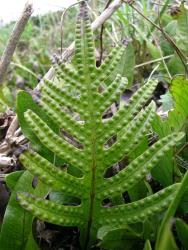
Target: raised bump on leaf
point(128, 137)
point(61, 96)
point(62, 118)
point(50, 211)
point(135, 104)
point(64, 73)
point(50, 93)
point(138, 210)
point(53, 141)
point(84, 45)
point(109, 66)
point(139, 167)
point(51, 175)
point(111, 94)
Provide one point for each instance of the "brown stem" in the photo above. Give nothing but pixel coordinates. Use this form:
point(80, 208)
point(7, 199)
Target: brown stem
point(14, 39)
point(101, 37)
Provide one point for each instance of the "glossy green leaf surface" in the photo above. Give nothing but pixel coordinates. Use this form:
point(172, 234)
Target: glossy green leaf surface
point(16, 230)
point(167, 241)
point(182, 231)
point(176, 121)
point(121, 239)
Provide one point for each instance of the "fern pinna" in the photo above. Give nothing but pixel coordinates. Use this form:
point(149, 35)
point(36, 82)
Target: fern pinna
point(76, 101)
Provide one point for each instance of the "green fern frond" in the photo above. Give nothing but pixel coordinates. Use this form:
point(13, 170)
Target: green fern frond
point(77, 109)
point(138, 210)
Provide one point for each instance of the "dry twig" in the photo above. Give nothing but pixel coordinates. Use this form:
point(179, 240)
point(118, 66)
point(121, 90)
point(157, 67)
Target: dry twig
point(12, 129)
point(101, 37)
point(5, 147)
point(13, 39)
point(6, 161)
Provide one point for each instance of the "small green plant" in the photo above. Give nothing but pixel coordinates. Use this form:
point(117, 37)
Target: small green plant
point(76, 101)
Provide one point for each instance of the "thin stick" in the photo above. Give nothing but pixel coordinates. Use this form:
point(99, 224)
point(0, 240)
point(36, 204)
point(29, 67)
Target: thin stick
point(153, 61)
point(12, 128)
point(161, 13)
point(62, 21)
point(161, 53)
point(101, 36)
point(13, 39)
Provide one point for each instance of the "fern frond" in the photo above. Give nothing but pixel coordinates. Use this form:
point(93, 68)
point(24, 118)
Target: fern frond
point(138, 210)
point(129, 136)
point(51, 175)
point(52, 141)
point(138, 168)
point(62, 118)
point(52, 212)
point(77, 94)
point(65, 74)
point(61, 97)
point(111, 94)
point(109, 66)
point(124, 115)
point(84, 43)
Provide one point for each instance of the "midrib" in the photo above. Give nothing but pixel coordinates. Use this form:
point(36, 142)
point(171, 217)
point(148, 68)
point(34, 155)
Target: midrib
point(92, 192)
point(92, 121)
